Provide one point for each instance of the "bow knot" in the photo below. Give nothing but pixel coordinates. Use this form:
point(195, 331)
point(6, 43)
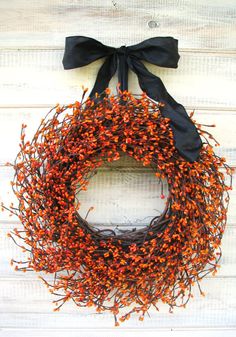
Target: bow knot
point(161, 51)
point(122, 50)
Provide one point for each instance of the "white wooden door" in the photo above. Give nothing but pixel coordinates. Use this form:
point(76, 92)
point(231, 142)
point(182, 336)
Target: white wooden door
point(32, 80)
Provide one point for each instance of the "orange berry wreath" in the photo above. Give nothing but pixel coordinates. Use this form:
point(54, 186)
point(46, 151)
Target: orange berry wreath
point(111, 270)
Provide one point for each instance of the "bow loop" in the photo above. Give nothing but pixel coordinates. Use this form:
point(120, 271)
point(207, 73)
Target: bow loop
point(161, 51)
point(81, 51)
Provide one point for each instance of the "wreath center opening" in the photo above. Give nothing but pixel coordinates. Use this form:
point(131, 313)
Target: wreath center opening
point(122, 196)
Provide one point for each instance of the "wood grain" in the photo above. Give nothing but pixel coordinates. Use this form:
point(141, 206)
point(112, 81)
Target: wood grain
point(37, 77)
point(108, 193)
point(32, 79)
point(27, 303)
point(197, 24)
point(118, 332)
point(11, 120)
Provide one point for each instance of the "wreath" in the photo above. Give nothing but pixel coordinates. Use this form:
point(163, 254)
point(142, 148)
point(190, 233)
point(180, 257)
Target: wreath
point(120, 271)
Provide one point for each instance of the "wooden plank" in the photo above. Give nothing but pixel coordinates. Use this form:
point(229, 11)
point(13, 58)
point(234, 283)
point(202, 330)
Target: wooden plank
point(8, 251)
point(106, 194)
point(11, 120)
point(140, 187)
point(69, 321)
point(33, 76)
point(201, 24)
point(27, 304)
point(139, 332)
point(37, 77)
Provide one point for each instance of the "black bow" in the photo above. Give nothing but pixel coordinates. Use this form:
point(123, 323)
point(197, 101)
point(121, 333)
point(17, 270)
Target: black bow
point(161, 51)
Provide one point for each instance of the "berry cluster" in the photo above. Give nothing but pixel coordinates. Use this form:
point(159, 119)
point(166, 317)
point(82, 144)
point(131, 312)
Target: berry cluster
point(133, 270)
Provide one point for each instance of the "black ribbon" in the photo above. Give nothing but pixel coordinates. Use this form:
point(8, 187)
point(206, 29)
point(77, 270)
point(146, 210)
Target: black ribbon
point(161, 51)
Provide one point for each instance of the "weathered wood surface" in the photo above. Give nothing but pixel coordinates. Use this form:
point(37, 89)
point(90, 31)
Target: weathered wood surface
point(32, 80)
point(30, 305)
point(101, 332)
point(197, 24)
point(34, 77)
point(118, 195)
point(11, 120)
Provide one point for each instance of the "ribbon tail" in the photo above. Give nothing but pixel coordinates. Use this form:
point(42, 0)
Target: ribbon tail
point(186, 137)
point(105, 73)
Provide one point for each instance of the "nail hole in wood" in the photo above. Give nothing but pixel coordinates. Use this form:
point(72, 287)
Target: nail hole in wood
point(153, 24)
